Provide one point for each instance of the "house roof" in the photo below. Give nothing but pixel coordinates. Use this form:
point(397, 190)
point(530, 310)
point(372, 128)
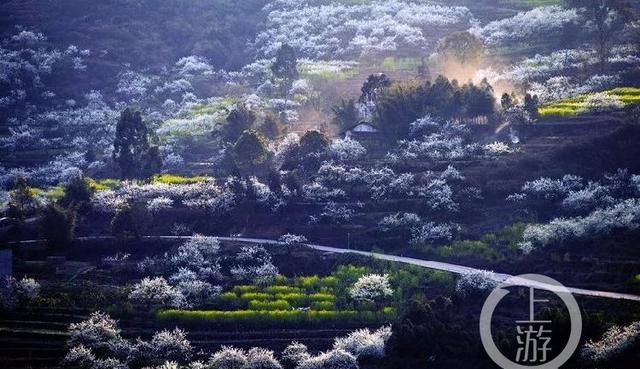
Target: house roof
point(362, 127)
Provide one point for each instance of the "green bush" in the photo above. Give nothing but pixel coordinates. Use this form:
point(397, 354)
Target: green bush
point(308, 282)
point(319, 297)
point(329, 282)
point(229, 298)
point(240, 289)
point(274, 290)
point(269, 305)
point(295, 299)
point(323, 305)
point(260, 296)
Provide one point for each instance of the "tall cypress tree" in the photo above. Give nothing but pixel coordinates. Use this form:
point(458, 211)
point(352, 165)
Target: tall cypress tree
point(131, 144)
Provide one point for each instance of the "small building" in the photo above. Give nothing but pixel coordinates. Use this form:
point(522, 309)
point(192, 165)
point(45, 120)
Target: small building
point(362, 130)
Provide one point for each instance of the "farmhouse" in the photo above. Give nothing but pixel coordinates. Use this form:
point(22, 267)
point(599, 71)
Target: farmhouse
point(362, 131)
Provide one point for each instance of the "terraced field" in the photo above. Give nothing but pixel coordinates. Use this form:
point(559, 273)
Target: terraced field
point(580, 104)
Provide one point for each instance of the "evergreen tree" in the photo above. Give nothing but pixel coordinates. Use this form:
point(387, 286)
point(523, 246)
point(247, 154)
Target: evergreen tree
point(345, 113)
point(21, 202)
point(57, 225)
point(250, 151)
point(131, 143)
point(462, 47)
point(531, 105)
point(77, 192)
point(152, 162)
point(239, 120)
point(131, 150)
point(285, 68)
point(505, 101)
point(131, 221)
point(372, 88)
point(313, 146)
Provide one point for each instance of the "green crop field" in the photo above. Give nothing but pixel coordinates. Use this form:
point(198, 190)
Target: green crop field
point(291, 301)
point(573, 106)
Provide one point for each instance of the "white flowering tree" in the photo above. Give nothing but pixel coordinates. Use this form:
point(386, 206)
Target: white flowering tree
point(525, 26)
point(624, 215)
point(259, 358)
point(473, 282)
point(320, 31)
point(99, 332)
point(346, 150)
point(171, 345)
point(338, 359)
point(364, 343)
point(17, 291)
point(292, 240)
point(295, 354)
point(432, 233)
point(156, 292)
point(371, 288)
point(616, 341)
point(228, 358)
point(253, 263)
